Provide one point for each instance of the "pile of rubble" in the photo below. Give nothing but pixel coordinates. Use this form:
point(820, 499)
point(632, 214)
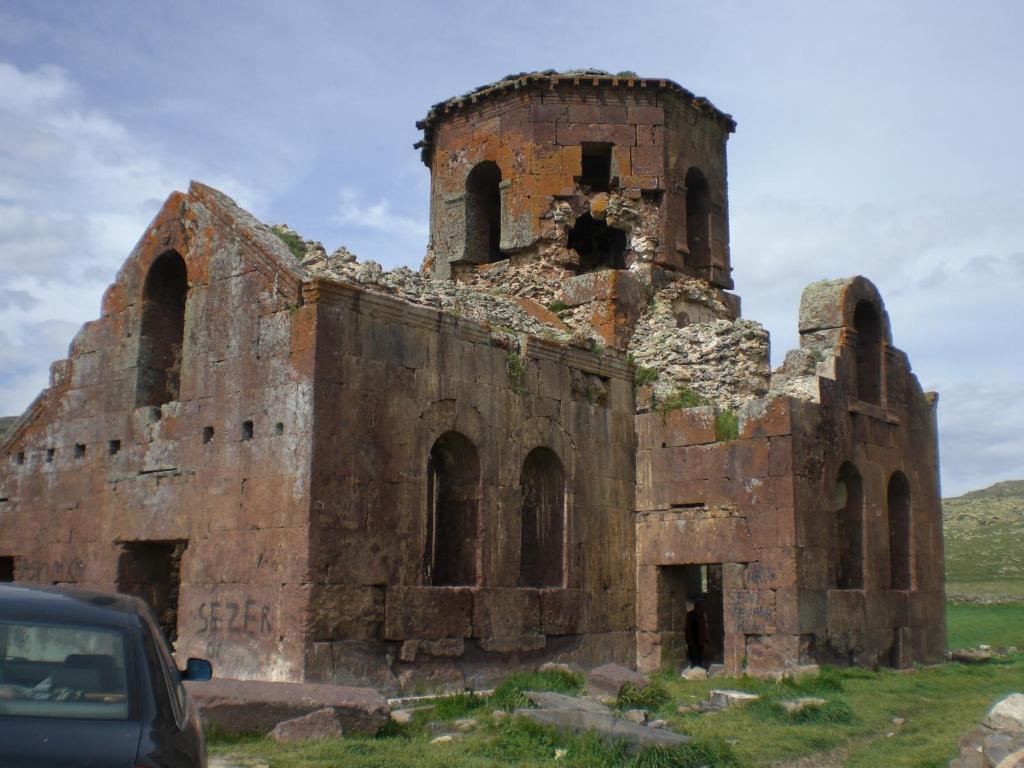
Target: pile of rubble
point(686, 334)
point(998, 742)
point(689, 338)
point(502, 314)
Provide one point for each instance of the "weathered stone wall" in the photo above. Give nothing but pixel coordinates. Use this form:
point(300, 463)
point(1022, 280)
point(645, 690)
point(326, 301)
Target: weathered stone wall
point(390, 380)
point(85, 472)
point(705, 500)
point(875, 623)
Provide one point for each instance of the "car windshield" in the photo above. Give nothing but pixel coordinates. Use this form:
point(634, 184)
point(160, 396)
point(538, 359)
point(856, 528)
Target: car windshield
point(54, 670)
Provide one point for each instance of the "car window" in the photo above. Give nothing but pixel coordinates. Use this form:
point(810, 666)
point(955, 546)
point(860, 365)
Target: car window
point(58, 670)
point(172, 677)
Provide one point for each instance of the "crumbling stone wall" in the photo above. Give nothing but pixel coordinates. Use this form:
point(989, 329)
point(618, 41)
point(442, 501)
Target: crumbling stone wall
point(579, 147)
point(86, 473)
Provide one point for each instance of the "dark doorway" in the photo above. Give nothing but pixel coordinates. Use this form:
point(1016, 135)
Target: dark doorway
point(849, 528)
point(898, 503)
point(691, 614)
point(6, 569)
point(163, 331)
point(483, 213)
point(698, 219)
point(152, 570)
point(453, 502)
point(868, 325)
point(543, 519)
point(599, 246)
point(597, 166)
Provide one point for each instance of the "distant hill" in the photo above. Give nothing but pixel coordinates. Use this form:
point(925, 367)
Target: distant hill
point(984, 533)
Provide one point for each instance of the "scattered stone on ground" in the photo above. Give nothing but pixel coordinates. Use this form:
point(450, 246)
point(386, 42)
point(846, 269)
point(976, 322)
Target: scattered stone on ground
point(555, 666)
point(402, 716)
point(568, 713)
point(694, 673)
point(998, 742)
point(797, 705)
point(638, 716)
point(609, 679)
point(500, 715)
point(444, 738)
point(716, 670)
point(253, 706)
point(724, 698)
point(464, 725)
point(970, 656)
point(657, 723)
point(322, 724)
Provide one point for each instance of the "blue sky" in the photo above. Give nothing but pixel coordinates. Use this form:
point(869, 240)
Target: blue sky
point(880, 138)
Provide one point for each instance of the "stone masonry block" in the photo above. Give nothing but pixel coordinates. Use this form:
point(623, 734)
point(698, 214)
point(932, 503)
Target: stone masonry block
point(428, 613)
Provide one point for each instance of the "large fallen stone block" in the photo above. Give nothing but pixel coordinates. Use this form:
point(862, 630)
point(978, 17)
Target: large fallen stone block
point(608, 680)
point(727, 698)
point(1007, 715)
point(322, 724)
point(578, 715)
point(253, 706)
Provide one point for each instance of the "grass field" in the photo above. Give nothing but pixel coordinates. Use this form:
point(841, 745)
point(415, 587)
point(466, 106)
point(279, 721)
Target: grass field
point(854, 729)
point(983, 531)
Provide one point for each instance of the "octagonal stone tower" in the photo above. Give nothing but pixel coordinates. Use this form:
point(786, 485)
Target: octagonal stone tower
point(579, 171)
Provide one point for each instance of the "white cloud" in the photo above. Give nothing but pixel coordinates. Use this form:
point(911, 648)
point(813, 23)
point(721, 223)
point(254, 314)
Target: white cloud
point(77, 189)
point(379, 217)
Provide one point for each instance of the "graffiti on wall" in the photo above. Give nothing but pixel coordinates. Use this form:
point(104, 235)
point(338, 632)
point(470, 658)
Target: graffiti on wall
point(228, 617)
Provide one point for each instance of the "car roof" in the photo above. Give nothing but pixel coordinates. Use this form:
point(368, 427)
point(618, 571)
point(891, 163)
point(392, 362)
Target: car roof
point(61, 605)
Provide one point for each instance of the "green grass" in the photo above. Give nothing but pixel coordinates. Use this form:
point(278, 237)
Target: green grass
point(996, 625)
point(727, 425)
point(293, 241)
point(939, 705)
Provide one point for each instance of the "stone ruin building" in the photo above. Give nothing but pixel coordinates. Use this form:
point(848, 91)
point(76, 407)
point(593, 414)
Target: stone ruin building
point(542, 446)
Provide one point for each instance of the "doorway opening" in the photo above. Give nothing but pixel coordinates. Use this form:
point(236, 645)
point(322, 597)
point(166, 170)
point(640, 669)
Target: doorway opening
point(152, 570)
point(6, 569)
point(691, 614)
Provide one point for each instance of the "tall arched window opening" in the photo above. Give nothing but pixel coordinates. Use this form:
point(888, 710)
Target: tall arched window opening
point(849, 504)
point(163, 331)
point(599, 246)
point(698, 219)
point(453, 512)
point(898, 504)
point(542, 484)
point(483, 213)
point(868, 325)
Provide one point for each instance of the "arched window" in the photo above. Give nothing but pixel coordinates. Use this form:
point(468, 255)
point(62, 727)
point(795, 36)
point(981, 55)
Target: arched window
point(162, 331)
point(898, 504)
point(453, 512)
point(850, 528)
point(698, 219)
point(542, 484)
point(868, 326)
point(483, 213)
point(599, 246)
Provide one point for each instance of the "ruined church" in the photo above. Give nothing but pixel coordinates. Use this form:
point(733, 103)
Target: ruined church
point(554, 442)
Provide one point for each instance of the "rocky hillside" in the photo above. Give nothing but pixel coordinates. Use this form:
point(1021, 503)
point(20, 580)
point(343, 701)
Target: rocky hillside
point(985, 542)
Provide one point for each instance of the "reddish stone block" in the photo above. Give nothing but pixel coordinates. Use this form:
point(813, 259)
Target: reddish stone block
point(647, 161)
point(428, 612)
point(651, 115)
point(596, 113)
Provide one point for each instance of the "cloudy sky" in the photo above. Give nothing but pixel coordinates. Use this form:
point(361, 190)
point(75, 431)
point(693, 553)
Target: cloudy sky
point(881, 138)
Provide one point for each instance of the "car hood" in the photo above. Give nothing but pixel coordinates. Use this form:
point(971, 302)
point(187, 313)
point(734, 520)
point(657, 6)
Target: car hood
point(31, 742)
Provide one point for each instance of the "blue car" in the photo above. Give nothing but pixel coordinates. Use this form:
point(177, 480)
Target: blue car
point(87, 681)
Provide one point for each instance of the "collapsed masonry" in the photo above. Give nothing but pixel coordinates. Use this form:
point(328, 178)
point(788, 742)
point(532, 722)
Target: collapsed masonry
point(557, 441)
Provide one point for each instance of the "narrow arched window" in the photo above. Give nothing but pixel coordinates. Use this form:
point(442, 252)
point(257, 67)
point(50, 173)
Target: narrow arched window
point(898, 505)
point(453, 512)
point(698, 219)
point(868, 325)
point(849, 502)
point(162, 331)
point(542, 485)
point(483, 213)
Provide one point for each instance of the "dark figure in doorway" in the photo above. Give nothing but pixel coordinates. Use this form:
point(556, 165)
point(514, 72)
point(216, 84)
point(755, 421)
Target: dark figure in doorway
point(697, 634)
